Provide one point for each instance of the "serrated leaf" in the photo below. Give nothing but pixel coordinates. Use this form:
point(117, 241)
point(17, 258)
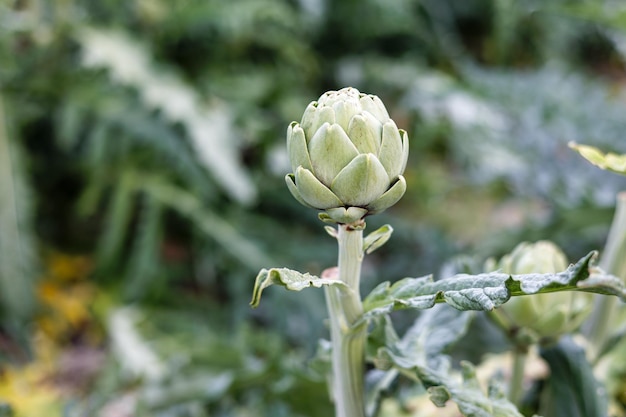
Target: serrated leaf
point(489, 290)
point(209, 127)
point(376, 382)
point(377, 238)
point(290, 279)
point(609, 161)
point(439, 328)
point(408, 355)
point(439, 395)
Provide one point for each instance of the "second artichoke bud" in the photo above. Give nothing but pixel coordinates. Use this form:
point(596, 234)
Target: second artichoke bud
point(546, 316)
point(347, 156)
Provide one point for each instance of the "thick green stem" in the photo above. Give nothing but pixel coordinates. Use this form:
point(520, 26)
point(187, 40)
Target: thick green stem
point(348, 342)
point(516, 387)
point(613, 261)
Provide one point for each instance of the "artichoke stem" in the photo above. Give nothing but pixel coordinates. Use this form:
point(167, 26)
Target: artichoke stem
point(516, 386)
point(348, 342)
point(613, 261)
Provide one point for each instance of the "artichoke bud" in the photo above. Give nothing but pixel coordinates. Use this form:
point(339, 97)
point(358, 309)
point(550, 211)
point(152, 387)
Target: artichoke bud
point(547, 316)
point(347, 156)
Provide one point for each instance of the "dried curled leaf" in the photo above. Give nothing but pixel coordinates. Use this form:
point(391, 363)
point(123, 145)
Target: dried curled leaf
point(290, 279)
point(610, 161)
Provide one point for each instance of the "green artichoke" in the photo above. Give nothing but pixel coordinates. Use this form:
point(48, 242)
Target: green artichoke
point(546, 316)
point(347, 156)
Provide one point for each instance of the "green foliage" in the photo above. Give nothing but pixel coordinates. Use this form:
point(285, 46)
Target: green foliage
point(18, 262)
point(149, 136)
point(571, 389)
point(172, 362)
point(482, 292)
point(419, 355)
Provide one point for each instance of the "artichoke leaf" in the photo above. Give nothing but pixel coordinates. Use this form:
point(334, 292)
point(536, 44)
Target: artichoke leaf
point(330, 151)
point(405, 148)
point(374, 106)
point(362, 181)
point(291, 185)
point(389, 198)
point(313, 192)
point(362, 135)
point(391, 151)
point(345, 111)
point(346, 215)
point(314, 118)
point(297, 147)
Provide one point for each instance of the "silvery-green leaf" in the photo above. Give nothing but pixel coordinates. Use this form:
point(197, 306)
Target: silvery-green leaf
point(377, 238)
point(314, 118)
point(375, 106)
point(412, 357)
point(362, 181)
point(313, 192)
point(297, 147)
point(389, 198)
point(391, 151)
point(611, 161)
point(290, 279)
point(437, 329)
point(488, 291)
point(330, 151)
point(346, 215)
point(377, 383)
point(291, 185)
point(363, 135)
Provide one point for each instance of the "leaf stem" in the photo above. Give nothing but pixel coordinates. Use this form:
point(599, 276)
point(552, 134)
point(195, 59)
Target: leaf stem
point(348, 341)
point(613, 261)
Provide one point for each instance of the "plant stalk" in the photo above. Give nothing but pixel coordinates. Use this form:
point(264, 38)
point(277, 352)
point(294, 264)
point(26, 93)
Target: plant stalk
point(516, 387)
point(613, 261)
point(348, 342)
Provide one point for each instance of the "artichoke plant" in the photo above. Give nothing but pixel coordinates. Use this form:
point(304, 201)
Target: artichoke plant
point(347, 156)
point(546, 316)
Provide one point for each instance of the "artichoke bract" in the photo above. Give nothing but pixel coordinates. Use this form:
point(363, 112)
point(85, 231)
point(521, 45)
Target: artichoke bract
point(347, 156)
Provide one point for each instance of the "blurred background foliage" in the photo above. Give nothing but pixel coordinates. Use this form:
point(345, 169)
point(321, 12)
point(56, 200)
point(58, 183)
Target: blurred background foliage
point(141, 179)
